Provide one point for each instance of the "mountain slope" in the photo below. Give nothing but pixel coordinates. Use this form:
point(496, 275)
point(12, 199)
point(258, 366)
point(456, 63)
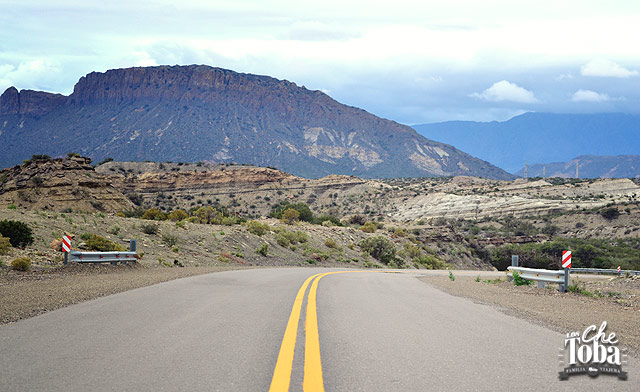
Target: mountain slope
point(200, 113)
point(589, 166)
point(540, 137)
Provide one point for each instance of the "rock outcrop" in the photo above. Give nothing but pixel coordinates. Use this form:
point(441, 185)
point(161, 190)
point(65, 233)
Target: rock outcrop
point(58, 185)
point(29, 102)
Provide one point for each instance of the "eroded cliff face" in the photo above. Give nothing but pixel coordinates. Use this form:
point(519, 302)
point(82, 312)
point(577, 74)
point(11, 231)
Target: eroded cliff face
point(201, 113)
point(29, 102)
point(58, 185)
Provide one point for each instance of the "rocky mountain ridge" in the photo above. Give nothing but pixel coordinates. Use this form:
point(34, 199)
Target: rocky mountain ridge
point(201, 113)
point(589, 166)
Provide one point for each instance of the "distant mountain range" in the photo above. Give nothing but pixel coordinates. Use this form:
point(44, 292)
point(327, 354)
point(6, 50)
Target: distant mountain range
point(589, 166)
point(541, 137)
point(200, 113)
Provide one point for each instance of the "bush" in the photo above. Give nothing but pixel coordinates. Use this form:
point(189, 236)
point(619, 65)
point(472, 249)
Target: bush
point(289, 216)
point(178, 215)
point(19, 234)
point(330, 243)
point(610, 213)
point(519, 280)
point(149, 228)
point(5, 244)
point(282, 240)
point(451, 277)
point(357, 220)
point(429, 262)
point(369, 227)
point(169, 239)
point(262, 250)
point(21, 264)
point(326, 219)
point(305, 213)
point(380, 248)
point(258, 228)
point(154, 214)
point(101, 244)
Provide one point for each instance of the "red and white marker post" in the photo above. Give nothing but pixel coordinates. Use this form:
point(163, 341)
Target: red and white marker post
point(566, 259)
point(566, 264)
point(618, 269)
point(66, 247)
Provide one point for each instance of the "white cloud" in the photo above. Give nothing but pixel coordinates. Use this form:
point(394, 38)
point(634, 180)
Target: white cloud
point(606, 68)
point(589, 96)
point(506, 91)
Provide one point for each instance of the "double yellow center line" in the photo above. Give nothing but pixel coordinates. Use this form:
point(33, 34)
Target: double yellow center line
point(312, 362)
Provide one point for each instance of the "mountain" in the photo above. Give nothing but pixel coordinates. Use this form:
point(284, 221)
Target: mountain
point(589, 166)
point(540, 137)
point(200, 113)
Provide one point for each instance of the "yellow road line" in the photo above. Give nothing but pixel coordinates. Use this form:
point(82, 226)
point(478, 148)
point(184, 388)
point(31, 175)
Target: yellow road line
point(282, 373)
point(313, 381)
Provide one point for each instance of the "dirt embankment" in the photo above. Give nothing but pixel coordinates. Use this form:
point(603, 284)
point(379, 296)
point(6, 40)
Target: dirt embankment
point(24, 295)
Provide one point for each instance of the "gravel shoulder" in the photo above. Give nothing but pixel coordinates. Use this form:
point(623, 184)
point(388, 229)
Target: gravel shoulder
point(24, 295)
point(616, 300)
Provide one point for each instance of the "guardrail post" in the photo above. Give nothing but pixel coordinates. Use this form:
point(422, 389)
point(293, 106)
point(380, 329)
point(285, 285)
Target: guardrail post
point(565, 288)
point(66, 257)
point(132, 245)
point(514, 263)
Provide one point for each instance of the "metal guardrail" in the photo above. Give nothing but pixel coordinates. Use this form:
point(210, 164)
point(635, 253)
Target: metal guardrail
point(101, 257)
point(542, 276)
point(601, 271)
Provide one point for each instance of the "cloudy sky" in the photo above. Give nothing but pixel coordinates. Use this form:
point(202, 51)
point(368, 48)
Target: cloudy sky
point(410, 61)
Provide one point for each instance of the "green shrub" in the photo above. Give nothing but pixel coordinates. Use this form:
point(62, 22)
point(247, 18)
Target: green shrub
point(327, 220)
point(115, 229)
point(262, 250)
point(519, 280)
point(19, 234)
point(399, 232)
point(305, 212)
point(12, 207)
point(282, 240)
point(178, 215)
point(357, 220)
point(169, 239)
point(380, 248)
point(369, 227)
point(451, 277)
point(154, 214)
point(101, 244)
point(330, 243)
point(21, 264)
point(149, 228)
point(5, 245)
point(258, 228)
point(429, 261)
point(610, 213)
point(289, 216)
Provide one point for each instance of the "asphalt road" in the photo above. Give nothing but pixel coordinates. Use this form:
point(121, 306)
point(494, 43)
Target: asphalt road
point(240, 331)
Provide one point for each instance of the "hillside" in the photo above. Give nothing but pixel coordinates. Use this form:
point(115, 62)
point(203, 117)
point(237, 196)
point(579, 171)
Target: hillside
point(224, 213)
point(541, 137)
point(199, 113)
point(589, 166)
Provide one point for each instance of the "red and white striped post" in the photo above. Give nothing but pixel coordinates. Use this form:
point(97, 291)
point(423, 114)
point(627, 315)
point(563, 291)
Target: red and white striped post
point(566, 264)
point(66, 247)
